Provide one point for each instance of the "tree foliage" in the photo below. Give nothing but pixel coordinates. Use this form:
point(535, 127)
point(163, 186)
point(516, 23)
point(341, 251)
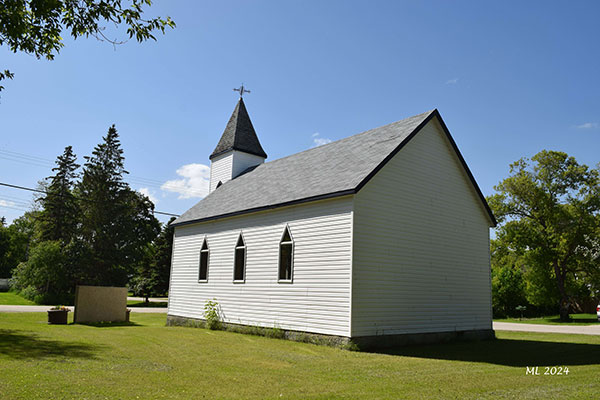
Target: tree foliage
point(44, 278)
point(60, 215)
point(152, 274)
point(549, 213)
point(116, 222)
point(101, 227)
point(5, 249)
point(37, 26)
point(16, 241)
point(508, 282)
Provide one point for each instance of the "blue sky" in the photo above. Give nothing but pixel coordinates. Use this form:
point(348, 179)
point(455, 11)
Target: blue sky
point(509, 78)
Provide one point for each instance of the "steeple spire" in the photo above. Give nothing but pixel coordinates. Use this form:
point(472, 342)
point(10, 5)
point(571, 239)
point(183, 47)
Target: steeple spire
point(239, 133)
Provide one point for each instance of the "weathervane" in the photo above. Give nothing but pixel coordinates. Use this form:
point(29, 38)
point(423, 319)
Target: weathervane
point(242, 90)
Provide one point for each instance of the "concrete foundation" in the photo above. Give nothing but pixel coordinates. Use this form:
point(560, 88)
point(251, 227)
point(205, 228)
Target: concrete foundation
point(386, 341)
point(362, 343)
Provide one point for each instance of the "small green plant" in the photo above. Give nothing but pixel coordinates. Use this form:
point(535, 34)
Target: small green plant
point(275, 332)
point(60, 308)
point(211, 315)
point(303, 337)
point(350, 346)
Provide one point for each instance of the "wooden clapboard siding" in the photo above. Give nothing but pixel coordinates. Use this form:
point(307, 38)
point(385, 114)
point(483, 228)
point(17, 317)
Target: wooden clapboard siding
point(231, 164)
point(242, 161)
point(420, 245)
point(317, 301)
point(220, 169)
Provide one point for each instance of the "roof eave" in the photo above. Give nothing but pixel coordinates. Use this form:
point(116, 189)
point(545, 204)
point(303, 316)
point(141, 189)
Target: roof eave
point(213, 155)
point(269, 207)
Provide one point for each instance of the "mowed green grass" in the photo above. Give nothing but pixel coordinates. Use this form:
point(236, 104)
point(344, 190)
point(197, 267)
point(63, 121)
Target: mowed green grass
point(148, 360)
point(13, 299)
point(576, 319)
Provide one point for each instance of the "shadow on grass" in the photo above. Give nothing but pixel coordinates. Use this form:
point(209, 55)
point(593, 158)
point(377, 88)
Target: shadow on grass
point(150, 304)
point(27, 345)
point(509, 352)
point(106, 324)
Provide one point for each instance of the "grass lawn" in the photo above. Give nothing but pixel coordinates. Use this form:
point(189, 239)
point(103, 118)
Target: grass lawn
point(147, 360)
point(13, 299)
point(577, 319)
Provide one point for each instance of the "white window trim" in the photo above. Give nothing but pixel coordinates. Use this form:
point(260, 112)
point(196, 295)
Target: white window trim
point(291, 280)
point(207, 261)
point(245, 247)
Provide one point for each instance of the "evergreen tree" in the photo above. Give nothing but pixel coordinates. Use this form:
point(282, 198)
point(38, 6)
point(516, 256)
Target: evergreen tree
point(153, 272)
point(59, 218)
point(162, 258)
point(5, 265)
point(116, 222)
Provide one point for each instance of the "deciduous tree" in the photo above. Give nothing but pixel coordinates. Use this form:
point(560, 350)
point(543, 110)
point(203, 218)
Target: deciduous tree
point(37, 26)
point(548, 209)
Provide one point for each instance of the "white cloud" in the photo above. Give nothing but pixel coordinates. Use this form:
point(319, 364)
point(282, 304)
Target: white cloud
point(453, 81)
point(317, 141)
point(588, 125)
point(320, 141)
point(4, 203)
point(146, 192)
point(194, 183)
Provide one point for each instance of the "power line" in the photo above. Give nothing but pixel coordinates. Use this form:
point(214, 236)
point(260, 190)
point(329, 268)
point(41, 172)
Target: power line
point(22, 188)
point(46, 163)
point(8, 201)
point(13, 208)
point(44, 192)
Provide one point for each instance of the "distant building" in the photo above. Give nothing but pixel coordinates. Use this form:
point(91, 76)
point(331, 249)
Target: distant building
point(381, 237)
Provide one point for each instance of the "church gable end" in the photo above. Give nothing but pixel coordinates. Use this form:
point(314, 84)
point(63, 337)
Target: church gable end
point(420, 223)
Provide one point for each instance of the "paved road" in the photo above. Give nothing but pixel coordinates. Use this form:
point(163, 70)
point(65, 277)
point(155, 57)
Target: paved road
point(579, 329)
point(156, 310)
point(151, 299)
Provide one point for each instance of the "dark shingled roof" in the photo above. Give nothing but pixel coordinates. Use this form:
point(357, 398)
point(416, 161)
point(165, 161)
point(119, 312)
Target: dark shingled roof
point(335, 169)
point(239, 134)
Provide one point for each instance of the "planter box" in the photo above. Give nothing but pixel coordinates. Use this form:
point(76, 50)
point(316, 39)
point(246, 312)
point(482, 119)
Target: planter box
point(57, 317)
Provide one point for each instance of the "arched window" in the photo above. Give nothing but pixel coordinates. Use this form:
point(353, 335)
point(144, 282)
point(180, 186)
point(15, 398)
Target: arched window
point(204, 255)
point(239, 269)
point(286, 256)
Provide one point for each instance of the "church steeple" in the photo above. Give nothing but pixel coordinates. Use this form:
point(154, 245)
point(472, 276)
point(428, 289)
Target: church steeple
point(239, 134)
point(237, 150)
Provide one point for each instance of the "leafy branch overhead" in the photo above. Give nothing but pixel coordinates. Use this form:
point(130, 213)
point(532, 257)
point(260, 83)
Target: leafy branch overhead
point(36, 26)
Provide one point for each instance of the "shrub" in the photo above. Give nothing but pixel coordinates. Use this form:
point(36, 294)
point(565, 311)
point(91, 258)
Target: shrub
point(212, 315)
point(43, 278)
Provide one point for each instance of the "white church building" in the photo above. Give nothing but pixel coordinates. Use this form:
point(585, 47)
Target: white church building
point(381, 237)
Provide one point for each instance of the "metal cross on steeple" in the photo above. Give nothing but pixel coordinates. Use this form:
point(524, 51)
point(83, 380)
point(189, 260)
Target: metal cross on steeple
point(242, 90)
